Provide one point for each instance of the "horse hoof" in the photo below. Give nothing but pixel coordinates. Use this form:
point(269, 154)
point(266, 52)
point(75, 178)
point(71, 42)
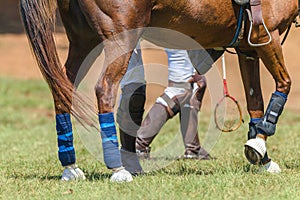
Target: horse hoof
point(121, 176)
point(252, 155)
point(255, 149)
point(71, 173)
point(272, 167)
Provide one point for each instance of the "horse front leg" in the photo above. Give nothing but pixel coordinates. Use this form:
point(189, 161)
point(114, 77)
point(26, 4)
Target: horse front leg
point(272, 57)
point(112, 23)
point(249, 68)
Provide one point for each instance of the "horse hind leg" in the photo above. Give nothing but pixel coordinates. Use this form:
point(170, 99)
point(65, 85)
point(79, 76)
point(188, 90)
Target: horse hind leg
point(80, 45)
point(75, 72)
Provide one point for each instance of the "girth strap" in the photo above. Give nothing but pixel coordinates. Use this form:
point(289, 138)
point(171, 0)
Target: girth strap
point(255, 6)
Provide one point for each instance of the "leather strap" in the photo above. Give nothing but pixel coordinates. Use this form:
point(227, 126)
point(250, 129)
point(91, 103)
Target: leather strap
point(255, 6)
point(172, 108)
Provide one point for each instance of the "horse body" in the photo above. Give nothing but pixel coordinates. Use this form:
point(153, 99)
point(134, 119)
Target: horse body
point(212, 23)
point(201, 20)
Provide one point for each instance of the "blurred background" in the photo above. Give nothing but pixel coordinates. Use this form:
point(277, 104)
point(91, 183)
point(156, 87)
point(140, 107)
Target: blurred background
point(16, 60)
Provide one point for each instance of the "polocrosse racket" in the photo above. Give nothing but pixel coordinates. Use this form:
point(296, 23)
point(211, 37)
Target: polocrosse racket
point(228, 114)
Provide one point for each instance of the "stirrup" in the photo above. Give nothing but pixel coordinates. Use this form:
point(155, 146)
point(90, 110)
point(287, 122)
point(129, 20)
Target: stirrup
point(250, 32)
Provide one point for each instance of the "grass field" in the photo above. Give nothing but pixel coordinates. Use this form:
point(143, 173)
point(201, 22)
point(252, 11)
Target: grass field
point(29, 168)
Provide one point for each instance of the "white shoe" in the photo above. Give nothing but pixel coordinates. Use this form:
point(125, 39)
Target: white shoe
point(255, 149)
point(272, 167)
point(72, 172)
point(121, 175)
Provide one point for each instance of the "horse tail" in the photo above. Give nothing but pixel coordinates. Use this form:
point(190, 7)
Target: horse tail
point(38, 17)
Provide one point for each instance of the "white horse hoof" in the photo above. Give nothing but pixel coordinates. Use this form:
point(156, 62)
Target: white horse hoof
point(272, 167)
point(255, 149)
point(121, 175)
point(71, 173)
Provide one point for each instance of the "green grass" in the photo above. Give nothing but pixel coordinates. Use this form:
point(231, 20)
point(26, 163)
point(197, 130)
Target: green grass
point(29, 168)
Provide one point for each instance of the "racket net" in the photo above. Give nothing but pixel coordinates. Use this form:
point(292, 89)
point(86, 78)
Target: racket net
point(228, 116)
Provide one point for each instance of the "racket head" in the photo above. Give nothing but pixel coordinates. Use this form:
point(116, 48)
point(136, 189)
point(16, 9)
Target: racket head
point(228, 114)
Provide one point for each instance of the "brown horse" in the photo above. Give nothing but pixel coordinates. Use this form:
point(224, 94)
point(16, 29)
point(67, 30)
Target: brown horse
point(212, 23)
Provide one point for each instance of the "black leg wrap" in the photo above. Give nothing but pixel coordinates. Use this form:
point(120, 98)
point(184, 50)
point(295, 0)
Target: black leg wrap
point(268, 125)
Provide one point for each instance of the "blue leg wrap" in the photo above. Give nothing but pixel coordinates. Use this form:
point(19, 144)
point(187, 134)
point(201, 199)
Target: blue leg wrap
point(66, 152)
point(111, 152)
point(268, 125)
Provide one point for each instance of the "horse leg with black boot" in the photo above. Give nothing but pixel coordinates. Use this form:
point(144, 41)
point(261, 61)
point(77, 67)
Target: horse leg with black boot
point(249, 68)
point(271, 55)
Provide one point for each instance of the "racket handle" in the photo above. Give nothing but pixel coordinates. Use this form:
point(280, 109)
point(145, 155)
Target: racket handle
point(223, 66)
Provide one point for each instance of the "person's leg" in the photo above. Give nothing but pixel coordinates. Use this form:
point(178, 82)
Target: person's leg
point(153, 122)
point(131, 109)
point(189, 121)
point(166, 107)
